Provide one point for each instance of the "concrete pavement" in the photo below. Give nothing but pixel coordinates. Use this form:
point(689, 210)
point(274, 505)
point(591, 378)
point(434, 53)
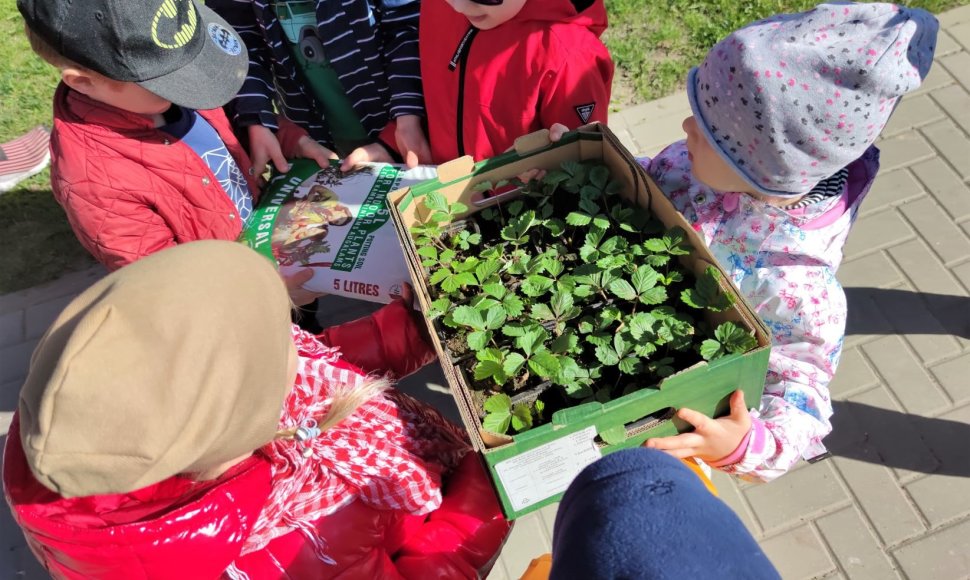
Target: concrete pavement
point(894, 501)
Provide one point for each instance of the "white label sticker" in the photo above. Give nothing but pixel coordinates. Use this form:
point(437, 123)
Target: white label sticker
point(548, 469)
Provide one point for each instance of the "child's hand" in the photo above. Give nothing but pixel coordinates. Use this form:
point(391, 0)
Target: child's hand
point(411, 141)
point(712, 439)
point(294, 285)
point(555, 134)
point(263, 148)
point(373, 152)
point(307, 148)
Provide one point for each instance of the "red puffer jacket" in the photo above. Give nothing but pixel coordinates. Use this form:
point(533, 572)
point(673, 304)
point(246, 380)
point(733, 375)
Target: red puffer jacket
point(130, 189)
point(485, 88)
point(180, 528)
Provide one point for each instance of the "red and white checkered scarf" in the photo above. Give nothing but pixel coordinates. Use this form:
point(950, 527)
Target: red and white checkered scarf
point(389, 453)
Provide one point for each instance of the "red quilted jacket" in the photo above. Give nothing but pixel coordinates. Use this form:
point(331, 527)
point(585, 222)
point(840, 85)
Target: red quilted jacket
point(130, 190)
point(485, 88)
point(180, 528)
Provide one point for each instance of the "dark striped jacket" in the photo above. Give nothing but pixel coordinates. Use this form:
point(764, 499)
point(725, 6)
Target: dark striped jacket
point(372, 46)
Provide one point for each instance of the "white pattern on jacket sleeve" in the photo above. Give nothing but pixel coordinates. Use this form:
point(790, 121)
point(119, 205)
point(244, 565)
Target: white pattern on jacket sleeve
point(804, 308)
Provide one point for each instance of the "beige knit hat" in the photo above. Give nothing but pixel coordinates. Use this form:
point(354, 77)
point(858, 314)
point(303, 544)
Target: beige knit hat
point(176, 363)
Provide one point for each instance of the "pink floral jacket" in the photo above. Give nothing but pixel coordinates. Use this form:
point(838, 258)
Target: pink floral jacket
point(784, 263)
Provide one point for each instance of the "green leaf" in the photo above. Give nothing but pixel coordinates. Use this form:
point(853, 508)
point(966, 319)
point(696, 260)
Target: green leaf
point(470, 317)
point(599, 175)
point(495, 289)
point(428, 252)
point(494, 317)
point(542, 312)
point(478, 339)
point(513, 305)
point(544, 364)
point(439, 307)
point(513, 364)
point(735, 338)
point(536, 285)
point(553, 266)
point(489, 369)
point(656, 295)
point(578, 219)
point(487, 269)
point(629, 365)
point(607, 355)
point(521, 417)
point(644, 278)
point(436, 202)
point(438, 275)
point(497, 403)
point(641, 324)
point(532, 340)
point(623, 290)
point(711, 349)
point(555, 226)
point(565, 342)
point(497, 422)
point(614, 435)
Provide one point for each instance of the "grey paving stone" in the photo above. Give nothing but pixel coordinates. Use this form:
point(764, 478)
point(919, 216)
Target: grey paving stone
point(11, 327)
point(943, 555)
point(853, 374)
point(855, 546)
point(548, 517)
point(942, 235)
point(958, 65)
point(945, 186)
point(912, 112)
point(938, 78)
point(941, 498)
point(68, 284)
point(795, 496)
point(924, 270)
point(40, 316)
point(962, 272)
point(892, 433)
point(951, 142)
point(954, 376)
point(956, 102)
point(528, 540)
point(961, 34)
point(904, 149)
point(890, 189)
point(879, 497)
point(730, 493)
point(905, 376)
point(15, 359)
point(954, 17)
point(866, 321)
point(798, 553)
point(870, 271)
point(927, 321)
point(876, 231)
point(945, 44)
point(946, 436)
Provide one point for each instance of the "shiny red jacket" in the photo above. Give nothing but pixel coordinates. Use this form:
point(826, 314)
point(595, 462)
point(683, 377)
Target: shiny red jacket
point(130, 190)
point(180, 528)
point(485, 88)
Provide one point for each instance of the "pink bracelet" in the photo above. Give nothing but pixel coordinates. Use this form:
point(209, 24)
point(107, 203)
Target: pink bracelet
point(735, 456)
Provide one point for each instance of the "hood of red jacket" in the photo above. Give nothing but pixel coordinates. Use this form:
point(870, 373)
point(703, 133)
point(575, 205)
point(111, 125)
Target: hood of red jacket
point(587, 13)
point(150, 532)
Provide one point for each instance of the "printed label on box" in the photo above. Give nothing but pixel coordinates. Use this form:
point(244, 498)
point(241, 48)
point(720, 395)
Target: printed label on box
point(548, 469)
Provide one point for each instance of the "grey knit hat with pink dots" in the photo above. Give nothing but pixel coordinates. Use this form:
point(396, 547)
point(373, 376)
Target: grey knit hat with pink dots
point(790, 100)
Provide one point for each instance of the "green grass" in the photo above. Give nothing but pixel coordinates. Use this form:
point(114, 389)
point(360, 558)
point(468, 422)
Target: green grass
point(38, 244)
point(654, 44)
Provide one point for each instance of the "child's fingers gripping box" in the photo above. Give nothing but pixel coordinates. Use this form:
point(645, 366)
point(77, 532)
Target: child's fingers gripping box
point(337, 224)
point(534, 451)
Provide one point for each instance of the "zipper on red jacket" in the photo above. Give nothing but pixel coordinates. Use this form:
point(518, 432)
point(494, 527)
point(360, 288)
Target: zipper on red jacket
point(460, 59)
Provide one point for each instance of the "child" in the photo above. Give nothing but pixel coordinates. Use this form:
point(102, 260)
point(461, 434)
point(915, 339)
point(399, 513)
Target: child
point(142, 157)
point(495, 70)
point(169, 429)
point(778, 158)
point(347, 72)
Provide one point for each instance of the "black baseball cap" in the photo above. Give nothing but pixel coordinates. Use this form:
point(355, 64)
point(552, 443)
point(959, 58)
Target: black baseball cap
point(178, 49)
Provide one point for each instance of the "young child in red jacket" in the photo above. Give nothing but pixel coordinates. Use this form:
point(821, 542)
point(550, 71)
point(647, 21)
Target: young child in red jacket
point(494, 70)
point(168, 429)
point(142, 157)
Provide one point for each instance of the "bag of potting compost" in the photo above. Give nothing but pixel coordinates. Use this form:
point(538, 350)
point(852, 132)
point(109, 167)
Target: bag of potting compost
point(338, 225)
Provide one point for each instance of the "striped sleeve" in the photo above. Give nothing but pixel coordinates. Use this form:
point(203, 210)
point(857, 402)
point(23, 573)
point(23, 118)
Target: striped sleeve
point(254, 103)
point(399, 31)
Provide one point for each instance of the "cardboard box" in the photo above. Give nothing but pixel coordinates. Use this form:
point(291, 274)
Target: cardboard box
point(533, 468)
point(336, 224)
